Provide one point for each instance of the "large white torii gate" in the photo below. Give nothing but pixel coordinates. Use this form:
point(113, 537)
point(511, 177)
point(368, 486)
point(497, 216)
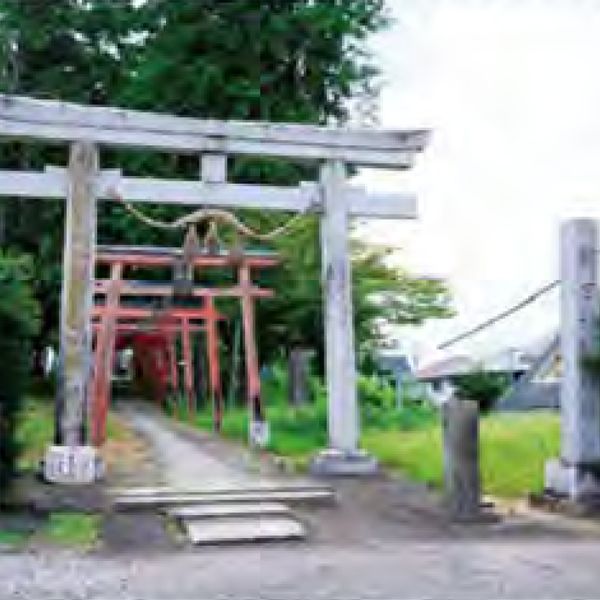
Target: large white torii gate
point(82, 183)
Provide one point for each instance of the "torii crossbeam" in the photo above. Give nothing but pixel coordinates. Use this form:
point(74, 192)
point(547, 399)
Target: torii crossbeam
point(83, 183)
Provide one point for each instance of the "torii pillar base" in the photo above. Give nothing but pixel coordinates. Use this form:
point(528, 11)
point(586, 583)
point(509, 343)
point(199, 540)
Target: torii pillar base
point(73, 465)
point(580, 483)
point(333, 462)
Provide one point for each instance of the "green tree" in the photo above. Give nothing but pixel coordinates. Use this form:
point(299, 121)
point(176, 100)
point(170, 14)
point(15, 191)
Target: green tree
point(67, 50)
point(18, 324)
point(300, 61)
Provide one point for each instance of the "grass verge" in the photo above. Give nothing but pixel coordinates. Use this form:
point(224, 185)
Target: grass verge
point(36, 430)
point(72, 529)
point(513, 446)
point(13, 539)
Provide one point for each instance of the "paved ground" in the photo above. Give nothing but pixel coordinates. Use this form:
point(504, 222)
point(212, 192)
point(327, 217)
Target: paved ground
point(403, 569)
point(385, 539)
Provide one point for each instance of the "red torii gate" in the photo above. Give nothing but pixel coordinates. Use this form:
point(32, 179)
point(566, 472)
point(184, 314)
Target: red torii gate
point(112, 319)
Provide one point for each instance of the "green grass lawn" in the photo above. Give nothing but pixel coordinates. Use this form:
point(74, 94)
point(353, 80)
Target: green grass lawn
point(35, 432)
point(72, 529)
point(12, 538)
point(36, 429)
point(514, 447)
point(68, 529)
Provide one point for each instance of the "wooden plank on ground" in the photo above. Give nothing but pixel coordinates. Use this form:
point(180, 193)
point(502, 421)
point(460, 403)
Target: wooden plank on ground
point(288, 496)
point(230, 509)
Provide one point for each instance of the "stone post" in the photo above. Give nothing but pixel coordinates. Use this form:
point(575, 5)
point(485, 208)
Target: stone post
point(399, 376)
point(576, 473)
point(461, 459)
point(343, 456)
point(71, 460)
point(298, 375)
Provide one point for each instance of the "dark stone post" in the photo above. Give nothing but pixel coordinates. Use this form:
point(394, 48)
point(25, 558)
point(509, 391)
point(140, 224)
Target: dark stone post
point(461, 459)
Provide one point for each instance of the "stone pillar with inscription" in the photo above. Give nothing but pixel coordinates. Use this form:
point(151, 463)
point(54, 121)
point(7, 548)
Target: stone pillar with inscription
point(576, 473)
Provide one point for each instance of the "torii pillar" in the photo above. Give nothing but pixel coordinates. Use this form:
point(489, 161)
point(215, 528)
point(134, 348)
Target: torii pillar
point(576, 474)
point(343, 456)
point(71, 459)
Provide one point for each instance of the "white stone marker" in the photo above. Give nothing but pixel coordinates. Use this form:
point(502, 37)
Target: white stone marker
point(72, 465)
point(575, 473)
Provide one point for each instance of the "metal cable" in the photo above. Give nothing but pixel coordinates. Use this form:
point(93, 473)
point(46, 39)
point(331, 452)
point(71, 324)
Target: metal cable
point(499, 317)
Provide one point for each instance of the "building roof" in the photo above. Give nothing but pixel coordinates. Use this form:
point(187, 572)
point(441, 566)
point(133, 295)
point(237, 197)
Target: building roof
point(394, 362)
point(449, 367)
point(509, 360)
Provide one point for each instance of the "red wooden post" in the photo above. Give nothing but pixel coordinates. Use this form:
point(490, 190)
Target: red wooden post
point(214, 368)
point(188, 373)
point(104, 358)
point(252, 369)
point(173, 362)
point(96, 387)
point(179, 320)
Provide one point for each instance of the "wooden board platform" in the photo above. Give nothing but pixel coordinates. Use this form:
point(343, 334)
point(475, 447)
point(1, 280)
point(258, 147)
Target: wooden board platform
point(291, 496)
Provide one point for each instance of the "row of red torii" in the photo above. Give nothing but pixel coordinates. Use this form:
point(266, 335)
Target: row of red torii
point(155, 330)
point(83, 183)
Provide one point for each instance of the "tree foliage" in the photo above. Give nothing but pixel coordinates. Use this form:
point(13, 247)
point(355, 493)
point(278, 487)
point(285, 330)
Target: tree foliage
point(281, 60)
point(18, 324)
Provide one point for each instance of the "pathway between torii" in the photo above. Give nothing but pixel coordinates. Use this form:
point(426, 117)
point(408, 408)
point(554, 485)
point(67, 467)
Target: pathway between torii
point(184, 463)
point(216, 499)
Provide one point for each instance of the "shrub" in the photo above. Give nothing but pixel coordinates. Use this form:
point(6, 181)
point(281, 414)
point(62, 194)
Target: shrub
point(18, 324)
point(481, 386)
point(375, 392)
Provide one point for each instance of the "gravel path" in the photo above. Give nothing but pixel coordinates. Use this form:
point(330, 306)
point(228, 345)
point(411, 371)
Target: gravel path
point(385, 539)
point(195, 461)
point(445, 570)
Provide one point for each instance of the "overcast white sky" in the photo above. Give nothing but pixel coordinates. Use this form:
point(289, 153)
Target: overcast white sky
point(511, 89)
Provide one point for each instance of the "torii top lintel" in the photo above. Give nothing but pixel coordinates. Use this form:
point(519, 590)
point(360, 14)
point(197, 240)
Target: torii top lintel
point(53, 121)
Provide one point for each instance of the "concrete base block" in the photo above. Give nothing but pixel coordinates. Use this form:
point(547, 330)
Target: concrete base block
point(72, 465)
point(336, 462)
point(576, 482)
point(259, 434)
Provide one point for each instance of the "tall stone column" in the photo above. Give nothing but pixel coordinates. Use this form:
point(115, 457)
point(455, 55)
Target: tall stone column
point(576, 473)
point(71, 460)
point(343, 456)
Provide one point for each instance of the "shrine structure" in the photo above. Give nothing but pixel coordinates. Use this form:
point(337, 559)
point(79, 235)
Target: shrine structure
point(332, 150)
